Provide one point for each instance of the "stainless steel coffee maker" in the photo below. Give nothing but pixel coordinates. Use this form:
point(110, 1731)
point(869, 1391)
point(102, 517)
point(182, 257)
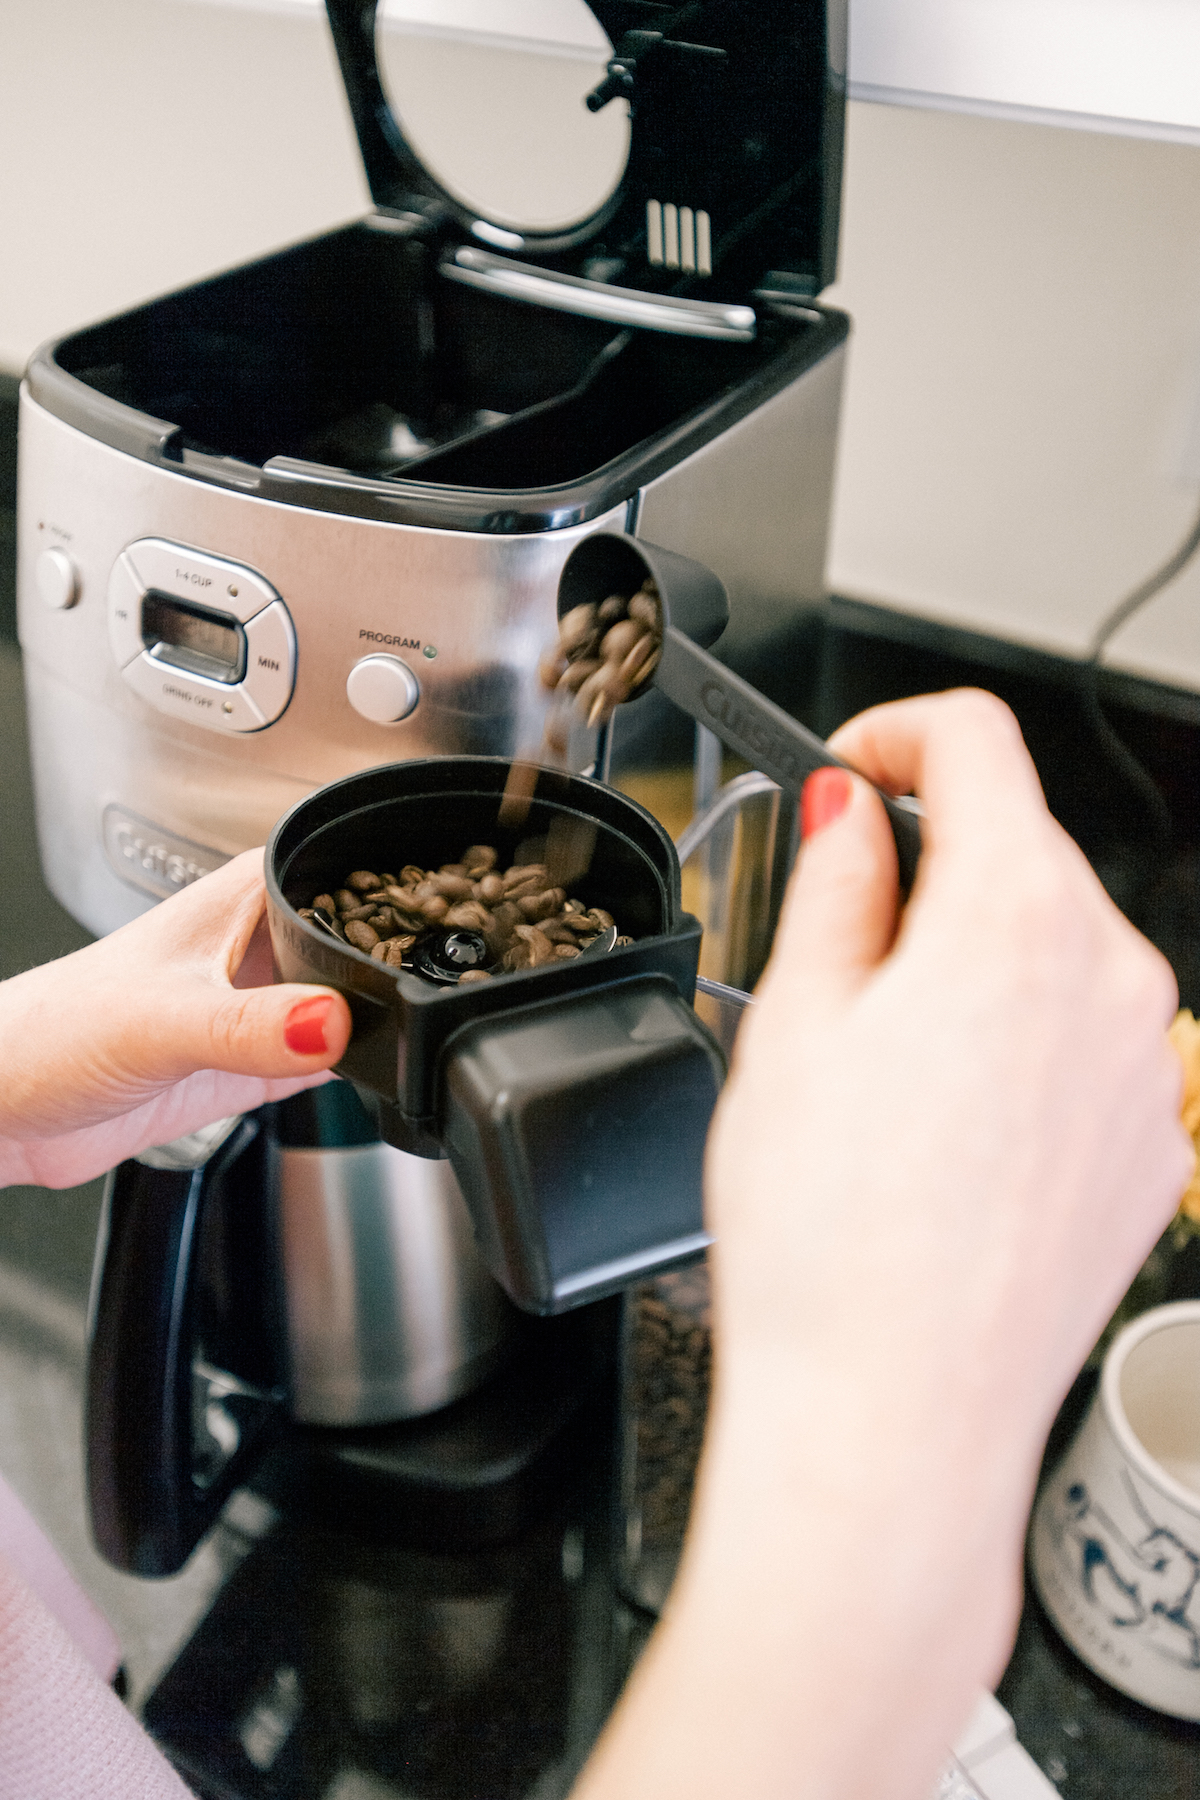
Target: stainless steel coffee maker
point(307, 518)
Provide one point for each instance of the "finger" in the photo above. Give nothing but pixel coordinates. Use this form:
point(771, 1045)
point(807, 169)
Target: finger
point(961, 752)
point(74, 1156)
point(839, 918)
point(271, 1032)
point(210, 923)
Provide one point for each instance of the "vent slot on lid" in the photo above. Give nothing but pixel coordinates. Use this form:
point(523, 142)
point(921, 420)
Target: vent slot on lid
point(678, 237)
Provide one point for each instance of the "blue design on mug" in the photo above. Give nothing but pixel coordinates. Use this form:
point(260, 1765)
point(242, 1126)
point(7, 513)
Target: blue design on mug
point(1146, 1586)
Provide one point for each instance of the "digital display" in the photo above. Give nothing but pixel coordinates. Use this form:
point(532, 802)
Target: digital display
point(205, 643)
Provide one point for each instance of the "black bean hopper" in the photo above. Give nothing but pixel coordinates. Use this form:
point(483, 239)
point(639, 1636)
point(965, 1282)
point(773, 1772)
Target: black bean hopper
point(572, 1100)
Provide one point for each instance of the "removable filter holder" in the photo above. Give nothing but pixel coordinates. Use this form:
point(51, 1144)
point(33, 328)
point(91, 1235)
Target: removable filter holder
point(573, 1099)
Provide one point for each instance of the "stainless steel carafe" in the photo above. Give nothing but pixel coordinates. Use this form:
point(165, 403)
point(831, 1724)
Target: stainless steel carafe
point(388, 1309)
point(288, 1264)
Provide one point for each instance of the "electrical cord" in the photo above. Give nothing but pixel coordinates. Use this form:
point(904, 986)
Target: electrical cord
point(1120, 756)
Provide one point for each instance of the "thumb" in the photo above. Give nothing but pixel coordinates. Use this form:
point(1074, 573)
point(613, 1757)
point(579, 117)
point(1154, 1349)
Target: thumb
point(273, 1032)
point(839, 917)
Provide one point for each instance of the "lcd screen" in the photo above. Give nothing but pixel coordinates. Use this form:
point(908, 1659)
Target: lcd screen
point(206, 643)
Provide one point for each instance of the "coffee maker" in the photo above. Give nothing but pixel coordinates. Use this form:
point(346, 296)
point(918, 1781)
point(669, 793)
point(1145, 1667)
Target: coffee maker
point(308, 517)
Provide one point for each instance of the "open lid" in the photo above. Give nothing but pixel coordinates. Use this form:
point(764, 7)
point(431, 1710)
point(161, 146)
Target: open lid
point(731, 190)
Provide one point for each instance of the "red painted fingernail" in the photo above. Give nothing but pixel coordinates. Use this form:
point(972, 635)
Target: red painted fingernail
point(304, 1027)
point(823, 798)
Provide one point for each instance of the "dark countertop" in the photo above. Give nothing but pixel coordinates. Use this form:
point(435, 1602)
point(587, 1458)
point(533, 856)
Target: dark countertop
point(310, 1662)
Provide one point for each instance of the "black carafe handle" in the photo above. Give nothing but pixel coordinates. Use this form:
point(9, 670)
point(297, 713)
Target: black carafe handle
point(177, 1330)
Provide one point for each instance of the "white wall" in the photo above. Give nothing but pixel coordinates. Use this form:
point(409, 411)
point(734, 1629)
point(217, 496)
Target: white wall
point(1130, 64)
point(1021, 439)
point(145, 143)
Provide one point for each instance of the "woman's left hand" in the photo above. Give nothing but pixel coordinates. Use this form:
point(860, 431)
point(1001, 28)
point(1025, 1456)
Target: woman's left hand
point(154, 1031)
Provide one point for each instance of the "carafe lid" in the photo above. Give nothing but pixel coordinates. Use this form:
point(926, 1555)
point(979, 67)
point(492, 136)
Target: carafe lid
point(731, 190)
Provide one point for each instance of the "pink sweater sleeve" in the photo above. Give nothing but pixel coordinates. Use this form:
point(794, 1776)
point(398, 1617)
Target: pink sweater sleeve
point(64, 1735)
point(25, 1546)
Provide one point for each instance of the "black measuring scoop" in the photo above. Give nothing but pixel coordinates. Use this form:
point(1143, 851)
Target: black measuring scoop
point(695, 611)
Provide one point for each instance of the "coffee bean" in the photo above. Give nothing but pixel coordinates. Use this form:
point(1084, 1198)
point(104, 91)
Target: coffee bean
point(345, 899)
point(474, 975)
point(576, 627)
point(360, 934)
point(522, 872)
point(491, 889)
point(362, 881)
point(479, 858)
point(558, 931)
point(550, 667)
point(468, 915)
point(619, 640)
point(639, 663)
point(541, 950)
point(576, 674)
point(394, 951)
point(325, 903)
point(452, 886)
point(541, 906)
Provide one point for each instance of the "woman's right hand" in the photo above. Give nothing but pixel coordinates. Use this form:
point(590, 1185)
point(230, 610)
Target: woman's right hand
point(949, 1138)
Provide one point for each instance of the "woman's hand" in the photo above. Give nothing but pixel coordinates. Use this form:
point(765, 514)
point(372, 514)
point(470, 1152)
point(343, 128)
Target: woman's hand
point(155, 1030)
point(947, 1143)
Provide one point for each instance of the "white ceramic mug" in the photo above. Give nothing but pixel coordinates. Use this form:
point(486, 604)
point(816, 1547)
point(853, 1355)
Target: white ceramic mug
point(1114, 1548)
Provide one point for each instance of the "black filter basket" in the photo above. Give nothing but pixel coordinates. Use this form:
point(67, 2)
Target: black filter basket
point(573, 1099)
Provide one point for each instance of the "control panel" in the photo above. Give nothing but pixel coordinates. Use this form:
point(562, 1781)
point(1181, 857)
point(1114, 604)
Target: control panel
point(199, 637)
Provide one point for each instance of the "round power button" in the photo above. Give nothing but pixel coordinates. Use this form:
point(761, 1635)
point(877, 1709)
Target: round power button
point(383, 689)
point(57, 579)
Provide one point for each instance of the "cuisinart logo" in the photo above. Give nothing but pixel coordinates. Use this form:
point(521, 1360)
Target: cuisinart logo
point(769, 747)
point(154, 860)
point(384, 637)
